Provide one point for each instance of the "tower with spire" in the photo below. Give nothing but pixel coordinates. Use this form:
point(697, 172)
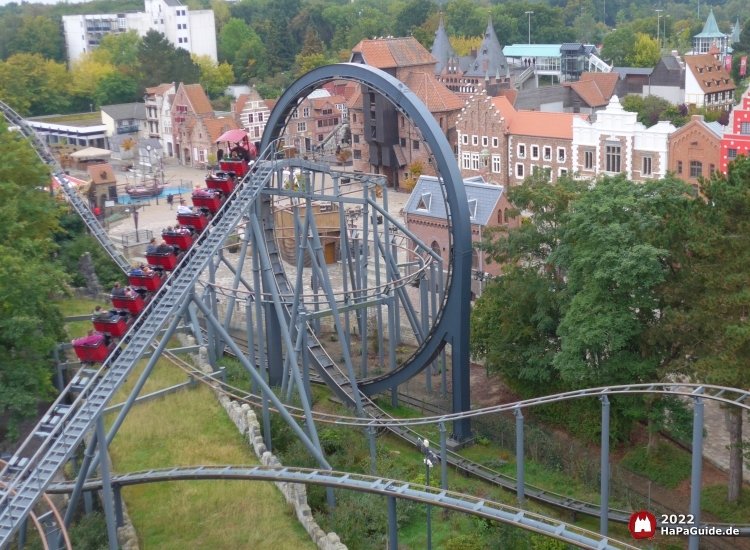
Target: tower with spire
point(485, 68)
point(711, 35)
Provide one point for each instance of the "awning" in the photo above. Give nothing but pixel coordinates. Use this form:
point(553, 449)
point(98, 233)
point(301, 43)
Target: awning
point(91, 153)
point(233, 136)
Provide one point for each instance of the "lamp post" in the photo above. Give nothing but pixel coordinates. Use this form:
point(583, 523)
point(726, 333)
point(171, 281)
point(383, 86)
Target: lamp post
point(658, 19)
point(430, 460)
point(529, 14)
point(135, 220)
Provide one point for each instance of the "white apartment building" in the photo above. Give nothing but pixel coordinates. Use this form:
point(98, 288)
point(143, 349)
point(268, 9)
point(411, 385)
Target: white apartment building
point(193, 30)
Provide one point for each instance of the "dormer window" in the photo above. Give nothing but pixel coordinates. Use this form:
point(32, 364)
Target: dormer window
point(424, 202)
point(472, 208)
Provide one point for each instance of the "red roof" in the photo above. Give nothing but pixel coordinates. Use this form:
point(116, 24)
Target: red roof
point(389, 53)
point(198, 99)
point(535, 123)
point(436, 97)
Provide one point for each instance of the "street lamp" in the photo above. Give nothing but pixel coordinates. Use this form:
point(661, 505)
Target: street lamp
point(135, 220)
point(529, 14)
point(430, 460)
point(658, 19)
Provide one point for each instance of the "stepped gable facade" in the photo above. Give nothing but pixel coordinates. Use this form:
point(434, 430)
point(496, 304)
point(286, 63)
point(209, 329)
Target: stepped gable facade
point(736, 138)
point(484, 69)
point(383, 140)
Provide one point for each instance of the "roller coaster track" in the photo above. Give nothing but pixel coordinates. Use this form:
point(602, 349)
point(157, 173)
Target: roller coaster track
point(70, 191)
point(25, 487)
point(379, 486)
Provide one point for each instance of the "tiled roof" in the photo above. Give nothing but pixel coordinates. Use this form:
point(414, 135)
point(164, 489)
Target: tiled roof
point(636, 71)
point(355, 100)
point(101, 173)
point(160, 89)
point(510, 95)
point(270, 103)
point(605, 81)
point(429, 192)
point(441, 47)
point(589, 92)
point(124, 111)
point(433, 94)
point(389, 53)
point(198, 99)
point(501, 104)
point(543, 124)
point(717, 80)
point(490, 59)
point(217, 126)
point(710, 29)
point(240, 106)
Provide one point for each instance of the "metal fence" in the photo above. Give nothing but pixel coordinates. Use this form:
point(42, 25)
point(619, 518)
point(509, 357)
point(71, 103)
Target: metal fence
point(137, 237)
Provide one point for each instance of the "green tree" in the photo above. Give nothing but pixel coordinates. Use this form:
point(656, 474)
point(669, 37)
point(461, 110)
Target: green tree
point(10, 26)
point(310, 62)
point(312, 45)
point(119, 50)
point(115, 88)
point(31, 324)
point(215, 77)
point(414, 13)
point(39, 35)
point(33, 85)
point(618, 45)
point(645, 53)
point(161, 62)
point(462, 18)
point(221, 13)
point(242, 48)
point(710, 308)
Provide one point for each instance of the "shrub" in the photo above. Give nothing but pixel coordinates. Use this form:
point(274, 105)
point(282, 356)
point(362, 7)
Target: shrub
point(464, 542)
point(667, 465)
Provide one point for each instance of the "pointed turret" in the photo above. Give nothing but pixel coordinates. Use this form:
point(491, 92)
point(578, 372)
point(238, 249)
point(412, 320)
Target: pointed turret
point(490, 56)
point(711, 35)
point(710, 28)
point(735, 32)
point(441, 47)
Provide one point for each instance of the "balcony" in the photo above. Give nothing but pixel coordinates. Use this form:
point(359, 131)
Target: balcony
point(133, 129)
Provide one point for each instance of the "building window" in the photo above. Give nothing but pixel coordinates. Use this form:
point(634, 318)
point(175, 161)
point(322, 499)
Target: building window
point(732, 153)
point(415, 144)
point(711, 169)
point(475, 161)
point(647, 166)
point(495, 142)
point(424, 202)
point(535, 152)
point(496, 164)
point(696, 168)
point(588, 160)
point(435, 247)
point(465, 139)
point(521, 151)
point(306, 112)
point(561, 154)
point(485, 141)
point(519, 170)
point(475, 140)
point(499, 217)
point(472, 208)
point(613, 158)
point(548, 153)
point(466, 161)
point(202, 156)
point(260, 117)
point(745, 128)
point(357, 154)
point(679, 167)
point(302, 126)
point(562, 172)
point(354, 117)
point(355, 137)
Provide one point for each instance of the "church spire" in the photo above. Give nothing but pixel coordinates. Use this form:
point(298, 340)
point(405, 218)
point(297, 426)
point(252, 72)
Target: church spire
point(441, 47)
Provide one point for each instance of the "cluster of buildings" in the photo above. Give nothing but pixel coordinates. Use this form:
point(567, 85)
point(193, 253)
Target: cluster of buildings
point(192, 30)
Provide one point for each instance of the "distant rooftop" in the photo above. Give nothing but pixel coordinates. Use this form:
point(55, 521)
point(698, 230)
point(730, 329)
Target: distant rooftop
point(624, 71)
point(81, 120)
point(532, 50)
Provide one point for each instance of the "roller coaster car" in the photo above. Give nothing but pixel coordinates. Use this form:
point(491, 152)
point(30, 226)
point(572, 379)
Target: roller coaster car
point(51, 420)
point(93, 353)
point(241, 151)
point(116, 327)
point(150, 282)
point(182, 241)
point(167, 261)
point(212, 204)
point(133, 304)
point(238, 166)
point(223, 181)
point(199, 222)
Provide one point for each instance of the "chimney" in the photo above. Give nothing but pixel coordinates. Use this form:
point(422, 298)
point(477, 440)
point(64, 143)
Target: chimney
point(473, 52)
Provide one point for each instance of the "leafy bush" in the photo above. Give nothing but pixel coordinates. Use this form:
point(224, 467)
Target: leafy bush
point(107, 271)
point(332, 440)
point(667, 465)
point(464, 542)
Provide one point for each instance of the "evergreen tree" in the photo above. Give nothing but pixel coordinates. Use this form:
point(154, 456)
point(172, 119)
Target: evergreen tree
point(312, 45)
point(161, 62)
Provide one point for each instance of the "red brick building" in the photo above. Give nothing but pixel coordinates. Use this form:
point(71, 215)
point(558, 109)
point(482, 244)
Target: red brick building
point(695, 150)
point(383, 141)
point(736, 139)
point(425, 216)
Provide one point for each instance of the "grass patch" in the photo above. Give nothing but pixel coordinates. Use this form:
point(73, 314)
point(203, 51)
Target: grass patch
point(714, 500)
point(78, 306)
point(191, 428)
point(668, 465)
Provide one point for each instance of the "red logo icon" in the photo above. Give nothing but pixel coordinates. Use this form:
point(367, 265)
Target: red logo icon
point(642, 525)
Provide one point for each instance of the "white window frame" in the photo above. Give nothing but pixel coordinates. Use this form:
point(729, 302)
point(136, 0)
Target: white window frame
point(561, 171)
point(475, 140)
point(544, 152)
point(522, 170)
point(521, 150)
point(531, 152)
point(466, 161)
point(562, 154)
point(497, 164)
point(306, 112)
point(302, 126)
point(495, 142)
point(475, 161)
point(647, 160)
point(586, 153)
point(485, 141)
point(465, 139)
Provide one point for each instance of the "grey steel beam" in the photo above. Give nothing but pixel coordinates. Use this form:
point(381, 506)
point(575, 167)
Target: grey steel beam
point(696, 469)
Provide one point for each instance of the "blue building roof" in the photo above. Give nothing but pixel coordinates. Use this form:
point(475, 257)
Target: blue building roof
point(427, 199)
point(710, 29)
point(532, 50)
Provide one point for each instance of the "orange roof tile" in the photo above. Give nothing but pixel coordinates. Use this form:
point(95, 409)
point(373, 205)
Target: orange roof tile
point(355, 100)
point(589, 92)
point(388, 53)
point(101, 173)
point(198, 99)
point(710, 73)
point(543, 124)
point(217, 126)
point(240, 105)
point(606, 82)
point(510, 95)
point(501, 104)
point(436, 97)
point(160, 89)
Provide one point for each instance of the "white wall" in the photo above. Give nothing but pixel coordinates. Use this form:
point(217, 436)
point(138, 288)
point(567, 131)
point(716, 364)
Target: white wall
point(202, 29)
point(693, 92)
point(673, 94)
